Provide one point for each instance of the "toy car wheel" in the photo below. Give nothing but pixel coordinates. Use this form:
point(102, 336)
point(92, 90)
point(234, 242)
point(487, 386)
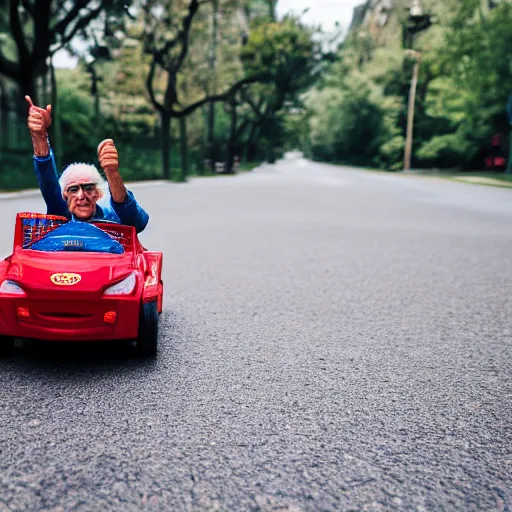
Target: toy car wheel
point(6, 346)
point(147, 340)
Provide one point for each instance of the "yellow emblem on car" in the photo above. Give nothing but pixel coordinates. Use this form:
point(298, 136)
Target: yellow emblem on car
point(65, 279)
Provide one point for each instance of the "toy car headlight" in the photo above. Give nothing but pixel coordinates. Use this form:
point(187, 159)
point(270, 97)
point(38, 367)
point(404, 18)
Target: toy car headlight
point(11, 288)
point(124, 287)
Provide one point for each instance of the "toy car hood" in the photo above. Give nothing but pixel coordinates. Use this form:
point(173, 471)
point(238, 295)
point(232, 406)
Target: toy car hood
point(40, 271)
point(52, 254)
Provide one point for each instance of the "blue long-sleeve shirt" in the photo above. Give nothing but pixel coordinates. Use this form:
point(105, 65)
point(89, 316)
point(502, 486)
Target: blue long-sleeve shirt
point(129, 213)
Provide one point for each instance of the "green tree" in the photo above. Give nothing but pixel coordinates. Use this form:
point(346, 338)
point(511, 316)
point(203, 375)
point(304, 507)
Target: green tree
point(470, 96)
point(353, 125)
point(39, 28)
point(167, 41)
point(289, 51)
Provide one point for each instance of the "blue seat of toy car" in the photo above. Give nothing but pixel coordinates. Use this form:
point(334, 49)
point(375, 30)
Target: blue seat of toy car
point(77, 236)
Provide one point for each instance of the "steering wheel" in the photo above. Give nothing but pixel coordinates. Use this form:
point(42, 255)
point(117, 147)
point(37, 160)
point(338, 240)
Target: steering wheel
point(104, 221)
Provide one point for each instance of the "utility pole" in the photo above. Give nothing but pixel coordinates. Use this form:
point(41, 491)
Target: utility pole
point(417, 22)
point(272, 9)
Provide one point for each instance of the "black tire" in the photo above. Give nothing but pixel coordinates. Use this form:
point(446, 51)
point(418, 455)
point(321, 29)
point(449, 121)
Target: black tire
point(6, 346)
point(147, 340)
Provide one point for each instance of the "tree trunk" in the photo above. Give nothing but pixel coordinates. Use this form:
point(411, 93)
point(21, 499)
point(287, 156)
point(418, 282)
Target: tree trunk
point(44, 90)
point(230, 157)
point(250, 141)
point(97, 109)
point(183, 150)
point(165, 122)
point(212, 64)
point(13, 118)
point(210, 144)
point(27, 84)
point(56, 126)
point(4, 124)
point(95, 94)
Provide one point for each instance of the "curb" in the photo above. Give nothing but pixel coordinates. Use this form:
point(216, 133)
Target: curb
point(21, 194)
point(33, 192)
point(480, 180)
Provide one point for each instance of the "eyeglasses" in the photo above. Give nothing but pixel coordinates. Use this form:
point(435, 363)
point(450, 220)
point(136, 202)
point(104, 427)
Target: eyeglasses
point(88, 188)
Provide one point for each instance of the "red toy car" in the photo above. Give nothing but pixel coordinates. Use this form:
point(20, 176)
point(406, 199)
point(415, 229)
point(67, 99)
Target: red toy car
point(79, 281)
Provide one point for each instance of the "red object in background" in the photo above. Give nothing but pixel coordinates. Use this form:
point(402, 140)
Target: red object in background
point(61, 295)
point(496, 158)
point(496, 140)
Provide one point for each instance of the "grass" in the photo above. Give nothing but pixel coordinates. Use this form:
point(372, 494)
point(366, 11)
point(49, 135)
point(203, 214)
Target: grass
point(249, 166)
point(491, 179)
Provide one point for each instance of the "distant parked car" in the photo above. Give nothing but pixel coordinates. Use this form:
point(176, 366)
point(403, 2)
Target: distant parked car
point(496, 157)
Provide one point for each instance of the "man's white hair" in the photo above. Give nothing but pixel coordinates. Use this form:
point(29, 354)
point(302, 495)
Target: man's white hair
point(82, 173)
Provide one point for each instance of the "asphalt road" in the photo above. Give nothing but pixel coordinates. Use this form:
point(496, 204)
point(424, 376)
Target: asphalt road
point(331, 340)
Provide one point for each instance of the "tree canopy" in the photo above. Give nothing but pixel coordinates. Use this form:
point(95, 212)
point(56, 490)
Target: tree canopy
point(184, 85)
point(462, 96)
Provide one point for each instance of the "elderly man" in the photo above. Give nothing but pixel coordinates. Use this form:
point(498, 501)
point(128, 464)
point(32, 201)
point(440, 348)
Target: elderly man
point(76, 193)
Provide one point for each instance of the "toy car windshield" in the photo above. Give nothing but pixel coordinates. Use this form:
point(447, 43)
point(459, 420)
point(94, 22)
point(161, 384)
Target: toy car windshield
point(77, 236)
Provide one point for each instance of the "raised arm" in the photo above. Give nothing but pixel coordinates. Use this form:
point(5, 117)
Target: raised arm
point(39, 120)
point(123, 201)
point(109, 161)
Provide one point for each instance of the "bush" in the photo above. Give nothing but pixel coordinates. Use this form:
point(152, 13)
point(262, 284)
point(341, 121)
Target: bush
point(355, 126)
point(17, 171)
point(391, 154)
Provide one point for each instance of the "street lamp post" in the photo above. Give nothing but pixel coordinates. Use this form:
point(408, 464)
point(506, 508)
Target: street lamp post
point(417, 22)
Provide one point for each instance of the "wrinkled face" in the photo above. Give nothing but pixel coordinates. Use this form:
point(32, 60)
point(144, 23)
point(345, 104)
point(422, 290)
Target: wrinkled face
point(81, 198)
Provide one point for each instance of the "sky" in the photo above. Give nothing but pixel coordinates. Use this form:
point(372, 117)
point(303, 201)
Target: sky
point(321, 12)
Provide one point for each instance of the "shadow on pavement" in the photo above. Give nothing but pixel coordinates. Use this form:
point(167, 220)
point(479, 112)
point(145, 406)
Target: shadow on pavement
point(75, 358)
point(85, 358)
